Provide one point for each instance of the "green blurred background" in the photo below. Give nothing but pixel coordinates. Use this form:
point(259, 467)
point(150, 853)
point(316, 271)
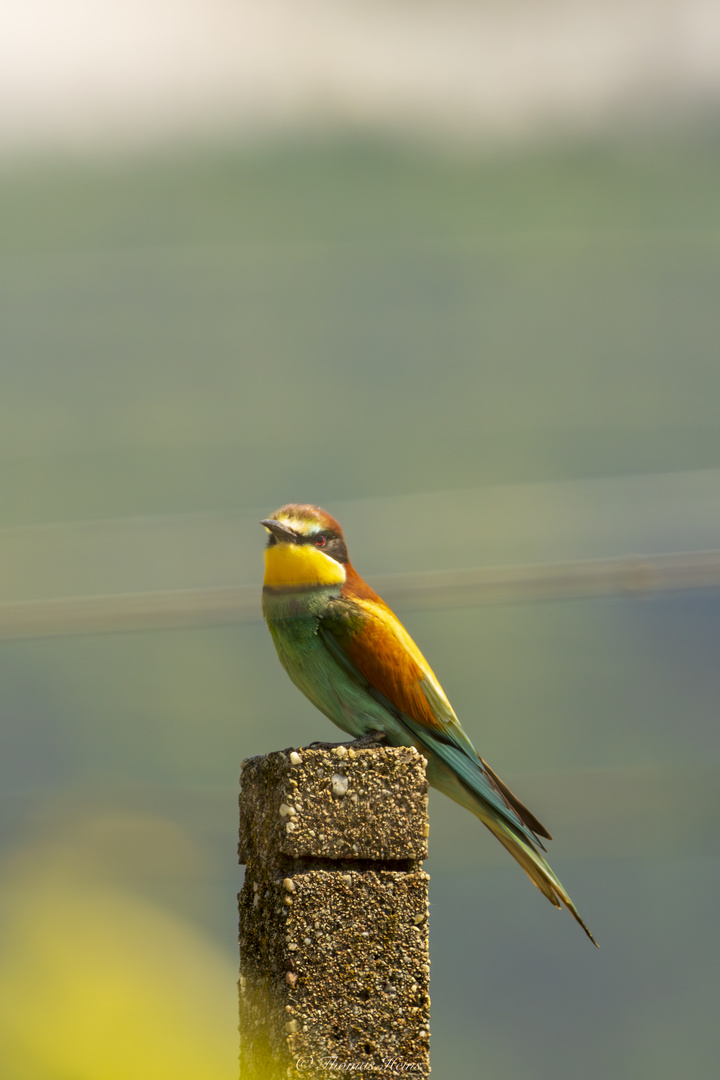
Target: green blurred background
point(472, 355)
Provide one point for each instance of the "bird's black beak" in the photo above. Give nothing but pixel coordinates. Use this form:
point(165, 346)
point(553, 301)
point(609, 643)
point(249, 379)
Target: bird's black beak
point(280, 532)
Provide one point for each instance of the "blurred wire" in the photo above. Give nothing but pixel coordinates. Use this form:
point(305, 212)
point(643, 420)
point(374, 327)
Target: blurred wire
point(635, 575)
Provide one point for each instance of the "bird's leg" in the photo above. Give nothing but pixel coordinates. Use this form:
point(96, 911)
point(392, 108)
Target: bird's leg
point(324, 745)
point(373, 738)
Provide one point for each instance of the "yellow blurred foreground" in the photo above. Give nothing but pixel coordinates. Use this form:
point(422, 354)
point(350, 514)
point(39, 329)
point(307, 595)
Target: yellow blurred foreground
point(98, 982)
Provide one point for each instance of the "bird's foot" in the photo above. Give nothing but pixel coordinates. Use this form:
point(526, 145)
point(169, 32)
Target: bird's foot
point(325, 745)
point(373, 738)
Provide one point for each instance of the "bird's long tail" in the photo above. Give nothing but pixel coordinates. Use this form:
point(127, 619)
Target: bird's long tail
point(534, 866)
point(484, 794)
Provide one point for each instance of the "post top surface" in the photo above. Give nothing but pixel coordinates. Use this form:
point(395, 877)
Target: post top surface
point(335, 803)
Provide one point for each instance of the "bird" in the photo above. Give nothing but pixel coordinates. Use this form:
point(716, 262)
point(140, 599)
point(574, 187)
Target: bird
point(353, 659)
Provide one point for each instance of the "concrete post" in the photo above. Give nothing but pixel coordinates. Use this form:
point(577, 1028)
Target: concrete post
point(334, 966)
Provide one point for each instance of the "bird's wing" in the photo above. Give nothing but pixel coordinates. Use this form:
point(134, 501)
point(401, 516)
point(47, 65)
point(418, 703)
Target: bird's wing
point(372, 645)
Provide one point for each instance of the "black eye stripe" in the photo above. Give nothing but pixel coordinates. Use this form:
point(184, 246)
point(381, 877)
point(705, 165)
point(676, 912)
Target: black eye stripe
point(319, 538)
point(329, 542)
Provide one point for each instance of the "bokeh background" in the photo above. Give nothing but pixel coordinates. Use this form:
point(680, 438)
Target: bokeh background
point(452, 272)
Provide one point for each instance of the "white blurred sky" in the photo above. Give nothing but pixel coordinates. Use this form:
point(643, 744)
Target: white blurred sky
point(91, 74)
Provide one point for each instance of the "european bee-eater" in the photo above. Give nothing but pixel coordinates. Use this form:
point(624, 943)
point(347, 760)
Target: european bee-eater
point(352, 657)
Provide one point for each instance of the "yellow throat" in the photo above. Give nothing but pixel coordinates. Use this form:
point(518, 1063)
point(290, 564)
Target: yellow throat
point(292, 566)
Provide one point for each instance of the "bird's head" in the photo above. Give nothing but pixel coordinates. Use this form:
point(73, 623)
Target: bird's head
point(305, 548)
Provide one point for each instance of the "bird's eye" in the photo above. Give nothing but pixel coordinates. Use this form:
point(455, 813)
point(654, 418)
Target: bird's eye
point(320, 540)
